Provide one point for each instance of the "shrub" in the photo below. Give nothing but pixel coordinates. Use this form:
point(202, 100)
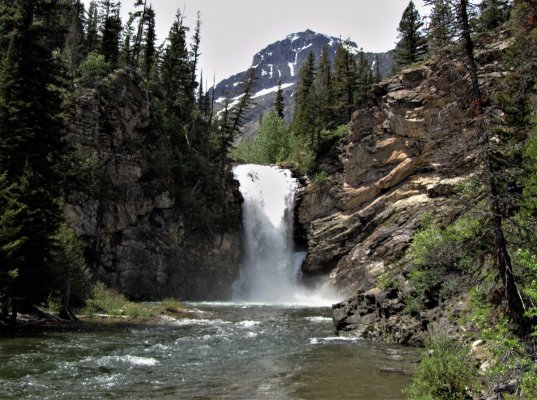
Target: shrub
point(446, 372)
point(105, 301)
point(93, 66)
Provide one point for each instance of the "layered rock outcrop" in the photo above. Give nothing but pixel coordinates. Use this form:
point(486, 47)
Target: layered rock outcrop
point(407, 153)
point(133, 234)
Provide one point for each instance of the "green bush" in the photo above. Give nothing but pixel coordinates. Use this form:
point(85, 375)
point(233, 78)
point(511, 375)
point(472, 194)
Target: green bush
point(446, 372)
point(105, 301)
point(93, 66)
point(270, 145)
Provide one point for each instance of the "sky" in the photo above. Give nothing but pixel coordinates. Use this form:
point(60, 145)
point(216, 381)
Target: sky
point(234, 30)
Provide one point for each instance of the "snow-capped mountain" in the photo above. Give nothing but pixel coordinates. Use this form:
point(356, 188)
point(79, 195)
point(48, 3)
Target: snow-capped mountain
point(284, 60)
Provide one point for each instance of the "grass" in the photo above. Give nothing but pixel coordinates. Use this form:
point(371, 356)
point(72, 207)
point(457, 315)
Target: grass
point(107, 302)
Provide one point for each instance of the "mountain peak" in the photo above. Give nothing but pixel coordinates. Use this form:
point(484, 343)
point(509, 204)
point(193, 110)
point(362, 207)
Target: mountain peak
point(281, 60)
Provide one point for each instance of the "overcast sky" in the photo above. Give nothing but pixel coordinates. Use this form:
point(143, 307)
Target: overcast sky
point(234, 30)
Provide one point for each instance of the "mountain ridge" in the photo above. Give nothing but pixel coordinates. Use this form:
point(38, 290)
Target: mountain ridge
point(282, 60)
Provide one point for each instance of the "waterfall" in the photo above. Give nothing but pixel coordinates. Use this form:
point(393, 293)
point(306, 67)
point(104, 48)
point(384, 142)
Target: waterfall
point(270, 268)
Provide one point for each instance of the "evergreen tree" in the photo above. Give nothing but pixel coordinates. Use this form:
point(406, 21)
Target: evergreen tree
point(195, 51)
point(110, 31)
point(176, 72)
point(127, 58)
point(412, 45)
point(323, 91)
point(30, 141)
point(11, 240)
point(92, 28)
point(70, 270)
point(343, 84)
point(304, 117)
point(279, 103)
point(503, 261)
point(441, 29)
point(149, 51)
point(364, 78)
point(378, 75)
point(72, 53)
point(137, 45)
point(493, 13)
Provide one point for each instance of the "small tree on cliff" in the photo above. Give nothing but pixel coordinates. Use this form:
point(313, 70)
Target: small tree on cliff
point(441, 29)
point(278, 103)
point(304, 117)
point(412, 45)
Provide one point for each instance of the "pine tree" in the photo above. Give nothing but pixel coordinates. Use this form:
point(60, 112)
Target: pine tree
point(304, 117)
point(195, 51)
point(503, 260)
point(279, 103)
point(343, 84)
point(149, 51)
point(72, 53)
point(364, 78)
point(412, 46)
point(176, 72)
point(110, 31)
point(127, 58)
point(92, 28)
point(493, 13)
point(323, 91)
point(30, 140)
point(441, 29)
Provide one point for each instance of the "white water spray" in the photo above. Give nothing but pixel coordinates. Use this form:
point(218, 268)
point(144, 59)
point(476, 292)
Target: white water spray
point(270, 268)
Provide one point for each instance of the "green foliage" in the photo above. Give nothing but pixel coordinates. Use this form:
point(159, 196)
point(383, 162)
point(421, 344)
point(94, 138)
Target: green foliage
point(278, 102)
point(493, 14)
point(69, 268)
point(412, 45)
point(446, 372)
point(319, 178)
point(92, 67)
point(111, 303)
point(271, 144)
point(442, 257)
point(434, 247)
point(441, 29)
point(509, 357)
point(11, 240)
point(105, 301)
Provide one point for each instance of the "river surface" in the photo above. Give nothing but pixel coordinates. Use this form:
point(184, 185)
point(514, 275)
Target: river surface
point(223, 351)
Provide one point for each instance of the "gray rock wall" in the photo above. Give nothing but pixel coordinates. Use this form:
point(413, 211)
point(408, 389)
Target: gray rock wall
point(134, 238)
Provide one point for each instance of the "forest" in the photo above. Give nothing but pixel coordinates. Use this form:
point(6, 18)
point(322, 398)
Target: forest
point(52, 50)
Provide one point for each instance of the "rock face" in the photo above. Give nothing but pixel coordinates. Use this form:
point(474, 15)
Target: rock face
point(284, 60)
point(407, 153)
point(134, 238)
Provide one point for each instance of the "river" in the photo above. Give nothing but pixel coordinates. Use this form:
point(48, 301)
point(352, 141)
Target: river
point(223, 351)
point(255, 347)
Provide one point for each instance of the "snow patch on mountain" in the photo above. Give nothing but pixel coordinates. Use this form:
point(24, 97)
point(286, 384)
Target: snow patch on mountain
point(271, 90)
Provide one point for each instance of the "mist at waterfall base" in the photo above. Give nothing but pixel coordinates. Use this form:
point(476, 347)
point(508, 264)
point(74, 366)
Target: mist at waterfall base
point(270, 267)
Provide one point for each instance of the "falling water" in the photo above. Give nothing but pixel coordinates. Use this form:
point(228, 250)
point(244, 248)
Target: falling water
point(270, 268)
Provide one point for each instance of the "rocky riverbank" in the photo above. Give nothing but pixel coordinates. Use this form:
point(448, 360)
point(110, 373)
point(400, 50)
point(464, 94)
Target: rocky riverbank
point(408, 153)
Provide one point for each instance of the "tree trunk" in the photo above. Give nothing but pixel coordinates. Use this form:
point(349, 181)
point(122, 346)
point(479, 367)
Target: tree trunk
point(65, 312)
point(503, 260)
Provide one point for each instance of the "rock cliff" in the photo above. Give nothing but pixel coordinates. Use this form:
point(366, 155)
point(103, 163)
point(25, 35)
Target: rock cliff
point(134, 235)
point(407, 153)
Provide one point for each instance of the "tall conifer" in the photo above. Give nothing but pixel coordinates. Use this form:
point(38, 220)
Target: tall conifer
point(279, 103)
point(30, 142)
point(304, 117)
point(412, 45)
